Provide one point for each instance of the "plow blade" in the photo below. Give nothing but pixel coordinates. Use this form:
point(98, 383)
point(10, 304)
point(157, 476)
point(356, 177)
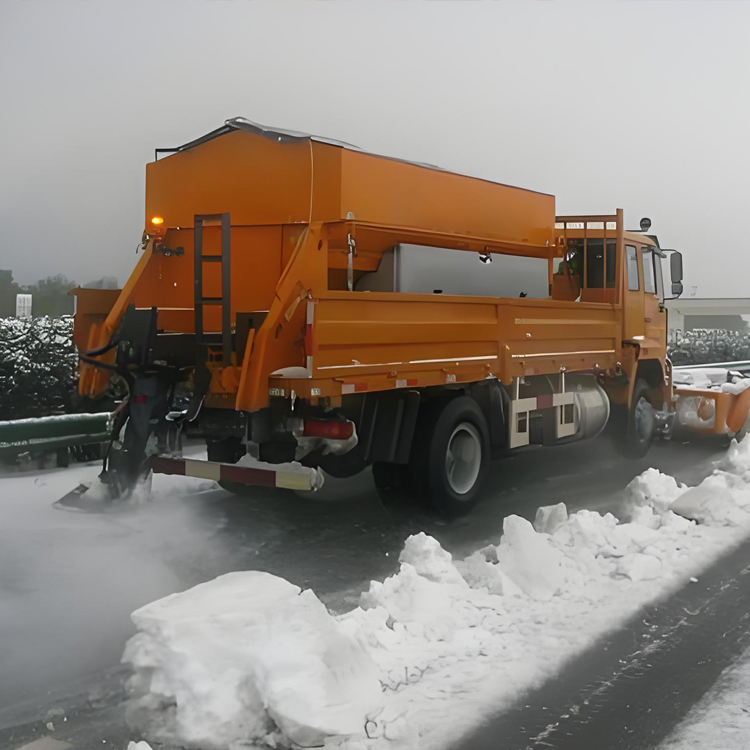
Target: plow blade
point(90, 497)
point(76, 500)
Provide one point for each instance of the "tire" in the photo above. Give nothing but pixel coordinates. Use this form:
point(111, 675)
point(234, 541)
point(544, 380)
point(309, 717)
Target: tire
point(638, 424)
point(451, 455)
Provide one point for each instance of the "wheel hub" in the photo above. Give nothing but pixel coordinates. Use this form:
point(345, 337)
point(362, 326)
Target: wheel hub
point(644, 419)
point(463, 458)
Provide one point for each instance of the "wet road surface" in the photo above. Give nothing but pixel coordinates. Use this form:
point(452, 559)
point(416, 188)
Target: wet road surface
point(69, 581)
point(632, 688)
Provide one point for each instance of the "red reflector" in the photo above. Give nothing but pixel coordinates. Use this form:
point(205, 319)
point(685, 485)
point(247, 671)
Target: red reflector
point(141, 398)
point(328, 429)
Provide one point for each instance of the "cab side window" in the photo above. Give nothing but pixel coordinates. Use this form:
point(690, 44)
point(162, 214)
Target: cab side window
point(649, 282)
point(595, 263)
point(631, 258)
point(611, 263)
point(659, 277)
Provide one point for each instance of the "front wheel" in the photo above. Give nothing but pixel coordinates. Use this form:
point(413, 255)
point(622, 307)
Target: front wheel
point(453, 455)
point(640, 423)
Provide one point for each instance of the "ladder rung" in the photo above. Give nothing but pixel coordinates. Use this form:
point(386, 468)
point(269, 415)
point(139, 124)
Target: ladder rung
point(211, 258)
point(210, 301)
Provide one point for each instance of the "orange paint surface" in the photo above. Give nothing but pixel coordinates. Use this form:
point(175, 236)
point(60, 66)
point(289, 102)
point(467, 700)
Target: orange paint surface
point(292, 207)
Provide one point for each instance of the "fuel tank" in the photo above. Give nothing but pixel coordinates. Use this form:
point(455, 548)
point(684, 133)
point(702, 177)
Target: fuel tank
point(592, 405)
point(550, 410)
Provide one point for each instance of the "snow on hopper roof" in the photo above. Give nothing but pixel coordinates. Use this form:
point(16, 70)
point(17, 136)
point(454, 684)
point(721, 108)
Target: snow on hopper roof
point(290, 136)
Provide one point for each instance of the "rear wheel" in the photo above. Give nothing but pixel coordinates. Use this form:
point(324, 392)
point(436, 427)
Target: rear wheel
point(452, 455)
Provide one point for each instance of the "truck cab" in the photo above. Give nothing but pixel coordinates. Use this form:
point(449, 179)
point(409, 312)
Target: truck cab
point(588, 273)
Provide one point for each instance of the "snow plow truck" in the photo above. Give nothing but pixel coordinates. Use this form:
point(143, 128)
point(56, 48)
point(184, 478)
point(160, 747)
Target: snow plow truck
point(308, 306)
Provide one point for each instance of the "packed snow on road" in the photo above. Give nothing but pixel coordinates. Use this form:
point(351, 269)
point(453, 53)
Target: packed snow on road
point(722, 718)
point(250, 659)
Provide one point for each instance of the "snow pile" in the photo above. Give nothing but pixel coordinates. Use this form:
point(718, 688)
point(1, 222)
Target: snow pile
point(244, 658)
point(435, 647)
point(316, 477)
point(736, 385)
point(700, 377)
point(712, 378)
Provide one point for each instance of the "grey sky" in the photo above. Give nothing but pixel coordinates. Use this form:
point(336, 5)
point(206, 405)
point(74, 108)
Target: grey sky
point(641, 105)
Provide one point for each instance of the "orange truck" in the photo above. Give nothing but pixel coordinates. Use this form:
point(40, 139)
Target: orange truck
point(307, 305)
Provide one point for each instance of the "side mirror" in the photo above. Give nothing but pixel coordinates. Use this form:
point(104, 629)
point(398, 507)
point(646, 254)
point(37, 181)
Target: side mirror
point(675, 268)
point(676, 288)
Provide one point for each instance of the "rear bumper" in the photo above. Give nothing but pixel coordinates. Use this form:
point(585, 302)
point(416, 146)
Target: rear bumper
point(295, 478)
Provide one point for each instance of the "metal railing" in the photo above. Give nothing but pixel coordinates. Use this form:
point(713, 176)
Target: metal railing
point(742, 366)
point(51, 433)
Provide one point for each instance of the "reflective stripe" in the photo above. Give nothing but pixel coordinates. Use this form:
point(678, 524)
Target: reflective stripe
point(545, 401)
point(562, 354)
point(292, 481)
point(203, 469)
point(353, 388)
point(309, 341)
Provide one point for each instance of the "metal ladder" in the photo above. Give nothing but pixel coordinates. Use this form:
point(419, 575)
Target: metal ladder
point(225, 301)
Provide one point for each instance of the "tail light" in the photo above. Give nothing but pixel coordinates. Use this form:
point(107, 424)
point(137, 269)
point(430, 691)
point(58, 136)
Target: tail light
point(332, 429)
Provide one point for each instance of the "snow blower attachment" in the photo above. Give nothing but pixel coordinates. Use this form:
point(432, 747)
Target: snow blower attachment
point(139, 425)
point(146, 432)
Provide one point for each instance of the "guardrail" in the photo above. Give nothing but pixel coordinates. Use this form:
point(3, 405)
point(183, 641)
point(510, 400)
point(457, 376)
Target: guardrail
point(53, 433)
point(743, 366)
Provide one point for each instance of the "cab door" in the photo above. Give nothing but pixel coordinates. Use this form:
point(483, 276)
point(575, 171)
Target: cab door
point(634, 302)
point(655, 316)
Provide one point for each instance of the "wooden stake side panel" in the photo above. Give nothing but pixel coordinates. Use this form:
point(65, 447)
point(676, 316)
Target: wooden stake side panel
point(357, 343)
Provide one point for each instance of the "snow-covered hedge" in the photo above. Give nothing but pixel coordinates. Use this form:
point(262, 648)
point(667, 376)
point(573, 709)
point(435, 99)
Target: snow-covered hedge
point(38, 361)
point(705, 346)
